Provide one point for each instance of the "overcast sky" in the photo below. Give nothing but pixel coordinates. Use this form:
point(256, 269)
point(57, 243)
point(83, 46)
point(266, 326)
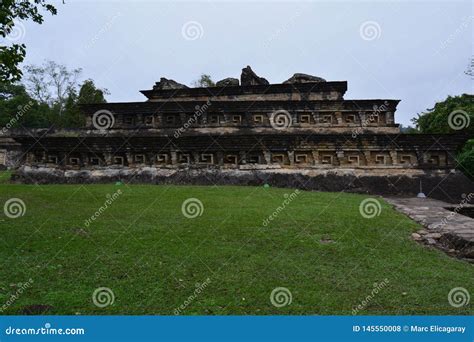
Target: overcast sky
point(413, 51)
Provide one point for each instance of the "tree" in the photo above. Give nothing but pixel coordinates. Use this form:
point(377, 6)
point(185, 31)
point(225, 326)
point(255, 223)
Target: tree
point(18, 109)
point(204, 81)
point(408, 129)
point(51, 83)
point(89, 93)
point(11, 12)
point(465, 159)
point(453, 115)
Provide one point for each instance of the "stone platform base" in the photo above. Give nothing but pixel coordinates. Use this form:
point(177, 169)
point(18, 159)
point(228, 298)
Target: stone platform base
point(445, 229)
point(441, 184)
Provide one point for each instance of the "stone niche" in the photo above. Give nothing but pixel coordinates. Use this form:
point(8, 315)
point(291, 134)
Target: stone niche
point(3, 158)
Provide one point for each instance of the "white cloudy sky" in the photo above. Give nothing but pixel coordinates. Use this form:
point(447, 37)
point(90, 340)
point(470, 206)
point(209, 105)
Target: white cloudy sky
point(413, 51)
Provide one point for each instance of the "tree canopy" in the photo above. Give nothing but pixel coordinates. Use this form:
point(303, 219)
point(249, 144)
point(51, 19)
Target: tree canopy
point(48, 96)
point(12, 13)
point(453, 115)
point(204, 81)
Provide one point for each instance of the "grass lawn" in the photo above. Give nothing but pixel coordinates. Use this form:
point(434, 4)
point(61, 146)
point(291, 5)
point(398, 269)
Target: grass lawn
point(153, 258)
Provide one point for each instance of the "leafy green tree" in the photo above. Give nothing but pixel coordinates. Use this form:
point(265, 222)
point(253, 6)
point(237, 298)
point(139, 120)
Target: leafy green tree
point(448, 116)
point(88, 93)
point(466, 159)
point(18, 109)
point(42, 107)
point(454, 115)
point(11, 12)
point(204, 81)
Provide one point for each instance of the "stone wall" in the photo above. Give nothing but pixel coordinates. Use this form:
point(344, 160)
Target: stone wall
point(440, 184)
point(10, 153)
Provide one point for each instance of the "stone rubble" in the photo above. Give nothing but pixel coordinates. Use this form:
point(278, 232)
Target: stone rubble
point(227, 82)
point(249, 77)
point(303, 78)
point(165, 83)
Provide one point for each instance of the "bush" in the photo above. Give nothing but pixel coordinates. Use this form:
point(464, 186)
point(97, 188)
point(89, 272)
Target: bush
point(465, 159)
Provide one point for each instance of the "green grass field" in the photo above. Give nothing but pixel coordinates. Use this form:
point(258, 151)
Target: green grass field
point(153, 258)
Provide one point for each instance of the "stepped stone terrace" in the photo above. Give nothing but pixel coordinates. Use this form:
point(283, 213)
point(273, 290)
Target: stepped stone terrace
point(301, 131)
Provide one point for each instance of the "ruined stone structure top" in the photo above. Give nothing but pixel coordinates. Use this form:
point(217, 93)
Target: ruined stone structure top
point(309, 102)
